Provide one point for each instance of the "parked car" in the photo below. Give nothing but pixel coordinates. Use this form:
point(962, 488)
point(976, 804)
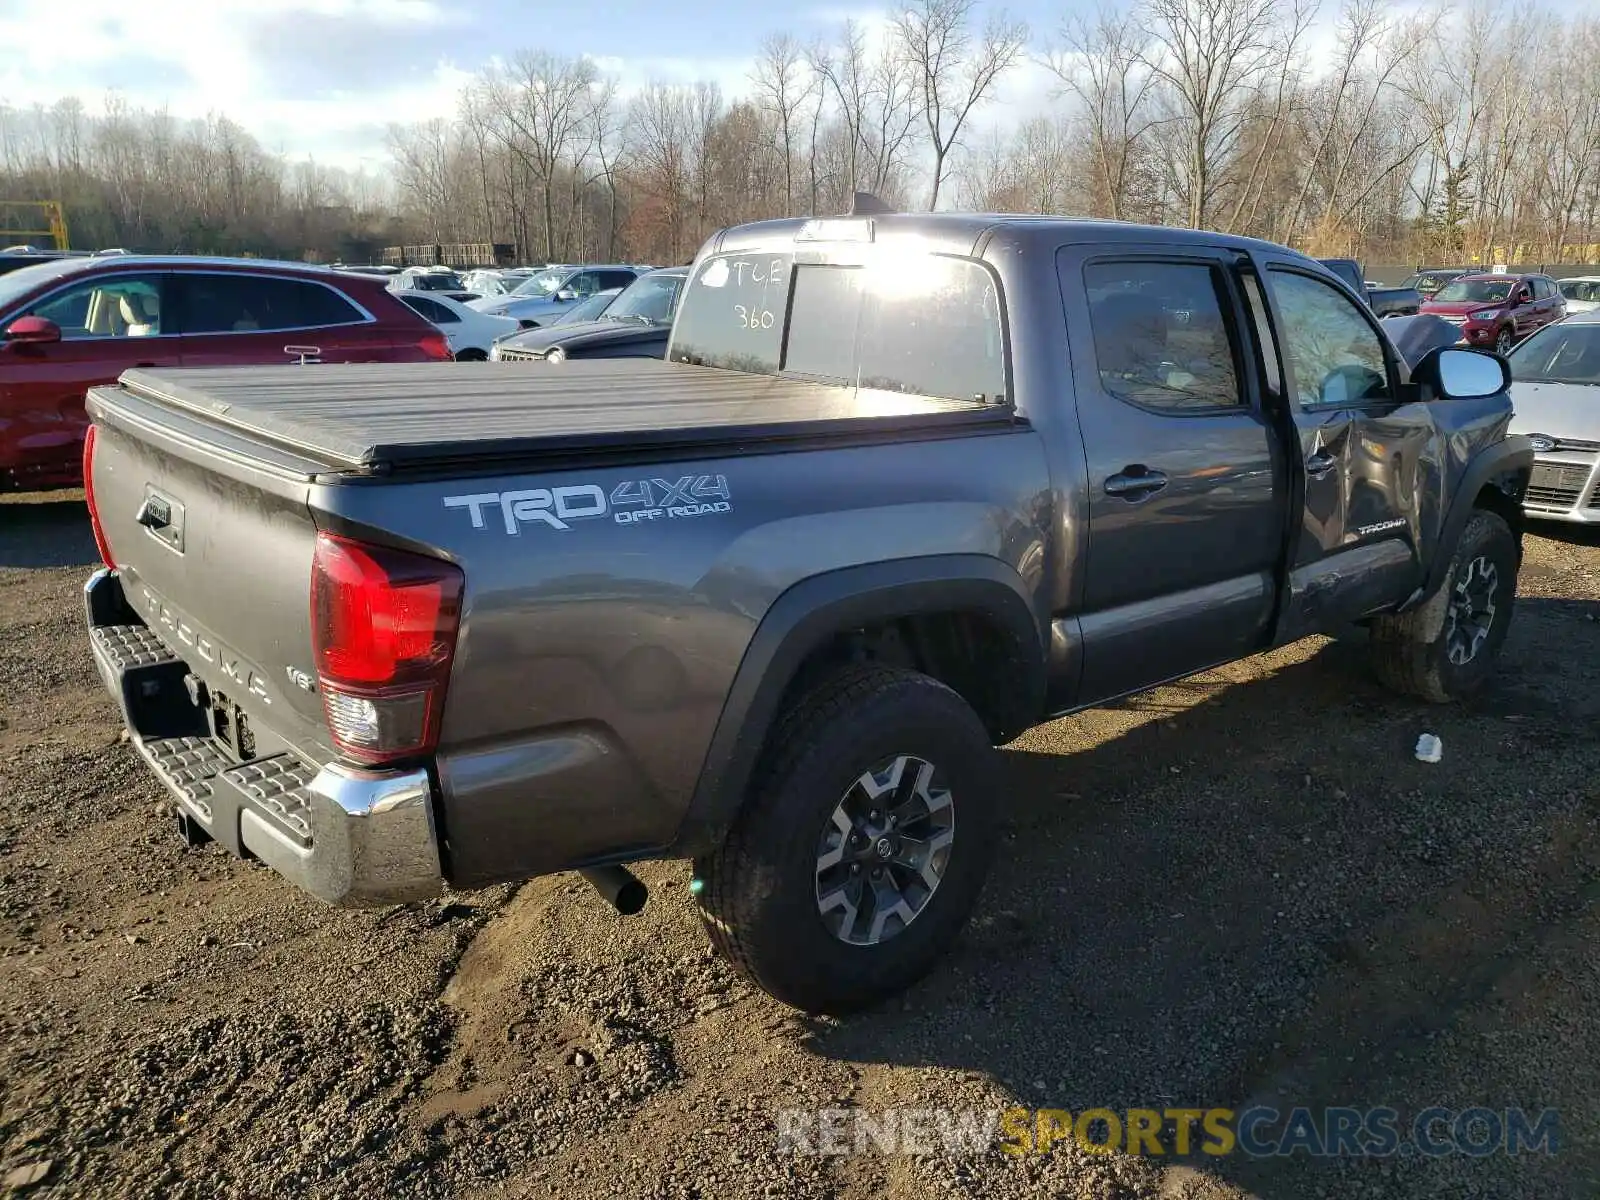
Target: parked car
point(470, 332)
point(1581, 292)
point(440, 280)
point(636, 324)
point(1430, 279)
point(69, 323)
point(769, 604)
point(1556, 391)
point(1385, 301)
point(586, 310)
point(18, 257)
point(542, 297)
point(580, 313)
point(487, 281)
point(1497, 311)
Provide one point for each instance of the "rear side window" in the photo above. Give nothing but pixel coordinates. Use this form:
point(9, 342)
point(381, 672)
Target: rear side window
point(615, 279)
point(259, 303)
point(1160, 340)
point(430, 310)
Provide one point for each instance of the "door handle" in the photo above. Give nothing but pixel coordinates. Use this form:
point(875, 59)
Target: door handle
point(1135, 482)
point(1319, 464)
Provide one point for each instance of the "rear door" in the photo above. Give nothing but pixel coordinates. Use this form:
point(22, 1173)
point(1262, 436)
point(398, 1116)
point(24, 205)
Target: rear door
point(108, 324)
point(1186, 501)
point(1548, 300)
point(1359, 471)
point(243, 318)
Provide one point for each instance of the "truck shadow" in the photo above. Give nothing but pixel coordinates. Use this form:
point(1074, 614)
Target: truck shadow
point(1571, 535)
point(1218, 895)
point(50, 530)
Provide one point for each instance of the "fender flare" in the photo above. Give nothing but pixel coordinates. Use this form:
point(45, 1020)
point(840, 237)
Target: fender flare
point(813, 610)
point(1506, 466)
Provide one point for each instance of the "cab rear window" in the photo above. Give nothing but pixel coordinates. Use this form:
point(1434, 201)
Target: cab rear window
point(923, 324)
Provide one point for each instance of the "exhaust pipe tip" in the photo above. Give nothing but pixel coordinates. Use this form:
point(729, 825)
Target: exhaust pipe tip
point(618, 887)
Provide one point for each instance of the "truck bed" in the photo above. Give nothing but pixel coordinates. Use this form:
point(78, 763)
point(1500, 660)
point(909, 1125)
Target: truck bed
point(380, 417)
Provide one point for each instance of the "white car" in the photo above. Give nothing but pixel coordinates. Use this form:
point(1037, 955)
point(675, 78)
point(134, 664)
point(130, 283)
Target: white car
point(1581, 292)
point(470, 333)
point(487, 282)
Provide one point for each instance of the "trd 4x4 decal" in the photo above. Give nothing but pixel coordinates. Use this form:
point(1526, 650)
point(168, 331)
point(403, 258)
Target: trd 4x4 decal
point(629, 503)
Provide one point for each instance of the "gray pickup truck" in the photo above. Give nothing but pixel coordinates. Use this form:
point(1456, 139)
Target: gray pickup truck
point(903, 487)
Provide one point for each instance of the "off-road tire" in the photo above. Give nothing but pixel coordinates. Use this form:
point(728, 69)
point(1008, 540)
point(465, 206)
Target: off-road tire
point(758, 891)
point(1410, 651)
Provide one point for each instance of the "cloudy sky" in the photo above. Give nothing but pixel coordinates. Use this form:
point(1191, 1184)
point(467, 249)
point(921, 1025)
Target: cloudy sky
point(325, 77)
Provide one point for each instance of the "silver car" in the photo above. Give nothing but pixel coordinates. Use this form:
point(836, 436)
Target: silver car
point(1556, 393)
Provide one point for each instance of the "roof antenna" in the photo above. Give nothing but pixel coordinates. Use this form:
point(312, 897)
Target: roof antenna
point(868, 205)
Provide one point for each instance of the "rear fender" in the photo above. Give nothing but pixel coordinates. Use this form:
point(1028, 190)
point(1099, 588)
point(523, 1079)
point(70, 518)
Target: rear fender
point(812, 612)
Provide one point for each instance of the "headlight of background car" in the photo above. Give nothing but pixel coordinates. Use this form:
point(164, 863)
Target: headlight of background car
point(555, 354)
point(1490, 315)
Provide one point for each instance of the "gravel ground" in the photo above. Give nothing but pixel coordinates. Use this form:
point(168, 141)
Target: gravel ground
point(1237, 889)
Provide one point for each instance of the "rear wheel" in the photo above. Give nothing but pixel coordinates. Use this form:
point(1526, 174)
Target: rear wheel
point(862, 849)
point(1446, 649)
point(471, 354)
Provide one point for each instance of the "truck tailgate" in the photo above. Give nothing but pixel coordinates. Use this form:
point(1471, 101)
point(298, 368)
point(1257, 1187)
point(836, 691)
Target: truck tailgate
point(214, 546)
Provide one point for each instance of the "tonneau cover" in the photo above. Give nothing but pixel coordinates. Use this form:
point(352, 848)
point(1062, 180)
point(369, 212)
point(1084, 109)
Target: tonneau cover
point(365, 416)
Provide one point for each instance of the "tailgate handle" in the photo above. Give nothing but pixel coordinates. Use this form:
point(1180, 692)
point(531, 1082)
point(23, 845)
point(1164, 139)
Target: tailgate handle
point(154, 513)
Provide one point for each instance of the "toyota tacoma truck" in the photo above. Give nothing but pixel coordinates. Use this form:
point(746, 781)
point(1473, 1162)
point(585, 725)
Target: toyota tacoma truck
point(902, 487)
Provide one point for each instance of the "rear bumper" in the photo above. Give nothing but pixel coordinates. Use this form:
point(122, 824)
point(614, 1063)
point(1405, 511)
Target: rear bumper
point(350, 837)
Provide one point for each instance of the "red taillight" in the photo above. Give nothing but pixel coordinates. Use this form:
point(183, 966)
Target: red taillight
point(436, 346)
point(383, 626)
point(88, 498)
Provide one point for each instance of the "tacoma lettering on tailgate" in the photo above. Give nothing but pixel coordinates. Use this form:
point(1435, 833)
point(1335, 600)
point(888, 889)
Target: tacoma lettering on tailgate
point(184, 634)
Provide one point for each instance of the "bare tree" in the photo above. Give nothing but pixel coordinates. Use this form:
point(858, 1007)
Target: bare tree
point(954, 71)
point(785, 88)
point(545, 100)
point(1101, 61)
point(1215, 57)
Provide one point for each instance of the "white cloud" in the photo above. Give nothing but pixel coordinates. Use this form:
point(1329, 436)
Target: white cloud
point(192, 59)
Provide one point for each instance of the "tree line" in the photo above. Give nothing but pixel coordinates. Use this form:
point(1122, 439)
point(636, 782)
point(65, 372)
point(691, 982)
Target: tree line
point(1388, 132)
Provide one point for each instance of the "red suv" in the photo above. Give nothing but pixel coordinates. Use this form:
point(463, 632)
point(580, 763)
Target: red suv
point(1498, 311)
point(75, 322)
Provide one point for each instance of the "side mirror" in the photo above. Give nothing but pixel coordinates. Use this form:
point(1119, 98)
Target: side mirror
point(1455, 374)
point(566, 294)
point(32, 331)
point(1524, 297)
